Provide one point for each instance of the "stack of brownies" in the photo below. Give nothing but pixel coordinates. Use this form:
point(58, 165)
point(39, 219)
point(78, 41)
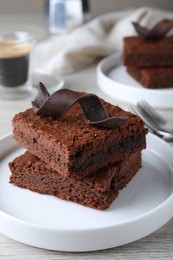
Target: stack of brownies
point(73, 160)
point(149, 56)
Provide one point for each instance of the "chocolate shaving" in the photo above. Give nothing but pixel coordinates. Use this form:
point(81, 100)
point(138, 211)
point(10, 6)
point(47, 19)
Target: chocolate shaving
point(157, 33)
point(57, 104)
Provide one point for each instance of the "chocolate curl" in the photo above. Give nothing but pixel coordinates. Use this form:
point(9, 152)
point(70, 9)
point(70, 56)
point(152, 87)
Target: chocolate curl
point(157, 33)
point(59, 102)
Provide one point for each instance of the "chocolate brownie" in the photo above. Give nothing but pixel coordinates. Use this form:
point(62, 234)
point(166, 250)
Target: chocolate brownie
point(153, 77)
point(70, 146)
point(97, 190)
point(148, 53)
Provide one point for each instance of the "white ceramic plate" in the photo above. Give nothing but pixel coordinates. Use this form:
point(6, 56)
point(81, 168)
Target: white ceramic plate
point(48, 222)
point(113, 79)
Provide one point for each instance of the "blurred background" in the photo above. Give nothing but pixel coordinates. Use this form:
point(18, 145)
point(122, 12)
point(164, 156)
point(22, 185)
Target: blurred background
point(44, 18)
point(97, 6)
point(31, 14)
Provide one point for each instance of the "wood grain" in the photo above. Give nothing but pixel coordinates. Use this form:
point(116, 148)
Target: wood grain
point(159, 245)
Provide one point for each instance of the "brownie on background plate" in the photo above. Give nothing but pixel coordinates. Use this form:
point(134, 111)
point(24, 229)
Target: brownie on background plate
point(148, 53)
point(148, 57)
point(153, 77)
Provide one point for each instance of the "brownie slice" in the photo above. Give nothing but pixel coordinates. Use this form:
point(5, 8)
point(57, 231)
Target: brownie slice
point(147, 53)
point(70, 146)
point(97, 190)
point(153, 77)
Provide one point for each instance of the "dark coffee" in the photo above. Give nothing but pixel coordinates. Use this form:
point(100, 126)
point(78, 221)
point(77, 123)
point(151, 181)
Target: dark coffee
point(14, 62)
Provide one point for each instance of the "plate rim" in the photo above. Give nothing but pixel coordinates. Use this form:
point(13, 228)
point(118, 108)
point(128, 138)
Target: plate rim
point(114, 60)
point(5, 217)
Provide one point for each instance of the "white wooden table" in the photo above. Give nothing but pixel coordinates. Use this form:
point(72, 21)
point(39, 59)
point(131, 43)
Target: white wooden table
point(158, 245)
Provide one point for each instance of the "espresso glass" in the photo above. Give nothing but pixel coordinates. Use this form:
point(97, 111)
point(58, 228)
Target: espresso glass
point(15, 65)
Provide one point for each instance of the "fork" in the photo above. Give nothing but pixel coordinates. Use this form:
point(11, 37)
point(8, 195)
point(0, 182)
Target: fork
point(167, 136)
point(154, 117)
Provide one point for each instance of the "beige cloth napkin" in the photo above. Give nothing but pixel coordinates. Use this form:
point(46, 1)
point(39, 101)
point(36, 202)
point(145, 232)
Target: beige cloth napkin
point(100, 37)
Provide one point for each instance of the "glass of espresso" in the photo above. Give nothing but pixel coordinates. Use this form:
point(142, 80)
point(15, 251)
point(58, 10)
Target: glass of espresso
point(15, 63)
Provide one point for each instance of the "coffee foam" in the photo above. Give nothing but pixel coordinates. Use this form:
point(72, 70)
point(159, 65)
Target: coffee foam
point(14, 49)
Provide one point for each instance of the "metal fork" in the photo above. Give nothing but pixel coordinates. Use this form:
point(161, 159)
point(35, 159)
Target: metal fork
point(154, 117)
point(166, 135)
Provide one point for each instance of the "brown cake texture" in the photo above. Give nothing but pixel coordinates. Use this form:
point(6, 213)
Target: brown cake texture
point(70, 146)
point(97, 190)
point(150, 62)
point(147, 53)
point(70, 156)
point(153, 77)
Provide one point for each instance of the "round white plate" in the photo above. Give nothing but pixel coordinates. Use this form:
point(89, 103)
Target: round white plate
point(48, 222)
point(113, 79)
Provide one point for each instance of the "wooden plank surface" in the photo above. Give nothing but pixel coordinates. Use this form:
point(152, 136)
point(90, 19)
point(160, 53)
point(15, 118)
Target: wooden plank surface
point(159, 245)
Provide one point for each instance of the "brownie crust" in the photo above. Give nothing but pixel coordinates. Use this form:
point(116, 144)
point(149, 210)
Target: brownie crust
point(97, 190)
point(70, 146)
point(154, 78)
point(147, 53)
